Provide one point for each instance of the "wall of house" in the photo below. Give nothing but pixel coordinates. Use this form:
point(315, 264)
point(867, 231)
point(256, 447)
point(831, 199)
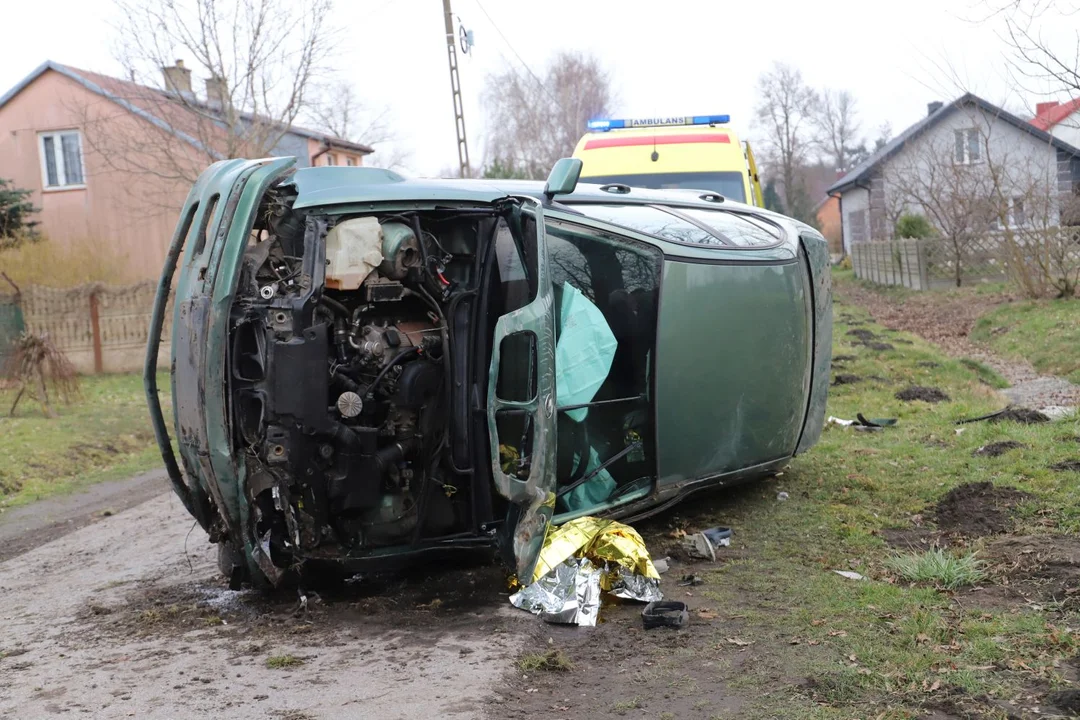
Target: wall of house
point(855, 204)
point(342, 156)
point(1025, 159)
point(828, 218)
point(1068, 130)
point(127, 215)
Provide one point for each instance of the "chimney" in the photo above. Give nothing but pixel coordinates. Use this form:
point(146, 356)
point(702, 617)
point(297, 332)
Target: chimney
point(933, 107)
point(1041, 108)
point(216, 95)
point(178, 79)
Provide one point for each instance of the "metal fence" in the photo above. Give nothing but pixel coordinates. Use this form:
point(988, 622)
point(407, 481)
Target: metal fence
point(99, 327)
point(927, 264)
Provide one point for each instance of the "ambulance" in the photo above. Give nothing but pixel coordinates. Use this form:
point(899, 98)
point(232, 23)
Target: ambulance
point(700, 152)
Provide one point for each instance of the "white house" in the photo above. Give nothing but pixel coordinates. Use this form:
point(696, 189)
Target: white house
point(969, 142)
point(1062, 120)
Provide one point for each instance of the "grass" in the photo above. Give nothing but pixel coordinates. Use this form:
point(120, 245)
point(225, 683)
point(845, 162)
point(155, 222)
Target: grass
point(884, 645)
point(105, 435)
point(938, 568)
point(552, 660)
point(1046, 333)
point(282, 662)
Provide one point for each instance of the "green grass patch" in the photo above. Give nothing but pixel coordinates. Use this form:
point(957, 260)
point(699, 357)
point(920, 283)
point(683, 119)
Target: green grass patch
point(102, 436)
point(281, 662)
point(938, 568)
point(880, 647)
point(1046, 333)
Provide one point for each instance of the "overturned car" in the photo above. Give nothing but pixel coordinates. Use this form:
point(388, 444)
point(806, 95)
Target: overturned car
point(367, 367)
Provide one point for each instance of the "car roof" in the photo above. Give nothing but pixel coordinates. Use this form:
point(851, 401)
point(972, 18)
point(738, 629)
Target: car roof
point(337, 185)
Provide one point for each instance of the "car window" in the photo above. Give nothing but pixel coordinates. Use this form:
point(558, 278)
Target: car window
point(652, 221)
point(729, 184)
point(689, 226)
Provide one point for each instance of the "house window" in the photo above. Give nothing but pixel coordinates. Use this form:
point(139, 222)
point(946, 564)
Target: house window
point(351, 162)
point(1017, 215)
point(967, 149)
point(331, 159)
point(61, 159)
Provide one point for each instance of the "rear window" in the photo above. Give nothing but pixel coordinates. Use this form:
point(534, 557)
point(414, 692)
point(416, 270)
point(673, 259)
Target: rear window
point(728, 184)
point(689, 226)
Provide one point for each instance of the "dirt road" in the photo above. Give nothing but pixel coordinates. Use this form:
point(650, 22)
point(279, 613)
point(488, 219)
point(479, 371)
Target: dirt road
point(126, 617)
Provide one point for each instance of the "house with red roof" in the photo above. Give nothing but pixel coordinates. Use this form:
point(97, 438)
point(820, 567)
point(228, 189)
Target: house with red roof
point(1061, 120)
point(110, 161)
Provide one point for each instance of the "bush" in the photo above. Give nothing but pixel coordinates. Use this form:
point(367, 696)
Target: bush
point(939, 568)
point(912, 225)
point(15, 211)
point(48, 263)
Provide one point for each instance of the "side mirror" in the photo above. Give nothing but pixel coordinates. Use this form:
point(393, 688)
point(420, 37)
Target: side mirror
point(563, 177)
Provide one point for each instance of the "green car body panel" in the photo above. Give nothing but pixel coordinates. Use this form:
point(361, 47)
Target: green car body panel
point(738, 376)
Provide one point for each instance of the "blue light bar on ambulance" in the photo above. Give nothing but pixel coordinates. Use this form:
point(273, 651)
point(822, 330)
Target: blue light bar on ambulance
point(605, 125)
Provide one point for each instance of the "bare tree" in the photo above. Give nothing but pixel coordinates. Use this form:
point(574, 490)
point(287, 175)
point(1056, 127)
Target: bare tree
point(340, 111)
point(1034, 57)
point(533, 121)
point(786, 108)
point(260, 60)
point(955, 197)
point(836, 118)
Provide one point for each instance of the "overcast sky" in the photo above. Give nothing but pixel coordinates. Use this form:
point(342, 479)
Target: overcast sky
point(667, 58)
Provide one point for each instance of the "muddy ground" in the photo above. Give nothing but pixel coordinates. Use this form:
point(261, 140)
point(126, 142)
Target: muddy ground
point(127, 617)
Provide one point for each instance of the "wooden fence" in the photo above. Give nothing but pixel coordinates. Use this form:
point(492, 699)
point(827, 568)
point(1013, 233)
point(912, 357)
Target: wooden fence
point(927, 264)
point(100, 328)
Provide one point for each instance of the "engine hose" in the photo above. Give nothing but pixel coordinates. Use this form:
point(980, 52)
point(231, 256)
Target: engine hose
point(334, 305)
point(382, 373)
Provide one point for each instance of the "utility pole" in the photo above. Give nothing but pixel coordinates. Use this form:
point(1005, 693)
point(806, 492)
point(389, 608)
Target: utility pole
point(455, 85)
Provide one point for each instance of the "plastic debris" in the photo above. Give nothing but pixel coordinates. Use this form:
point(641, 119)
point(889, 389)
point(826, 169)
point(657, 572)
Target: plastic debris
point(850, 575)
point(662, 565)
point(782, 496)
point(670, 614)
point(863, 423)
point(718, 536)
point(698, 546)
point(583, 554)
point(691, 581)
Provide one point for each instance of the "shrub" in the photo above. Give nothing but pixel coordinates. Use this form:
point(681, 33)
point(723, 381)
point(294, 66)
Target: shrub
point(938, 568)
point(16, 227)
point(912, 225)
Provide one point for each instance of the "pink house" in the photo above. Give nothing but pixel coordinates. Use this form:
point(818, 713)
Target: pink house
point(109, 160)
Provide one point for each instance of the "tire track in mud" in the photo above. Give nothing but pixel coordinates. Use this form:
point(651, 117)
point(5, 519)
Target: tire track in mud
point(115, 620)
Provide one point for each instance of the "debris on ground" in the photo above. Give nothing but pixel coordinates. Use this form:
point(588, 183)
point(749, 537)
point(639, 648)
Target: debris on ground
point(718, 536)
point(698, 547)
point(850, 574)
point(1022, 415)
point(579, 560)
point(978, 509)
point(782, 496)
point(671, 613)
point(919, 392)
point(1066, 466)
point(862, 422)
point(662, 565)
point(691, 581)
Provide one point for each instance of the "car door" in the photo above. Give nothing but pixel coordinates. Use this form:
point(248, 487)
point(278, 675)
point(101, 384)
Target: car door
point(521, 385)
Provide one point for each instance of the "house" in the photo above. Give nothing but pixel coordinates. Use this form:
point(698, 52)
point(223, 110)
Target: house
point(109, 161)
point(1062, 120)
point(827, 213)
point(946, 158)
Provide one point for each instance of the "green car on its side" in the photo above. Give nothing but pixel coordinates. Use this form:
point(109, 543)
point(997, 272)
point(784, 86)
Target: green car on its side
point(367, 367)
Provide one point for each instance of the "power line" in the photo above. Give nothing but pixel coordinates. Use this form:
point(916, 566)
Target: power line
point(524, 64)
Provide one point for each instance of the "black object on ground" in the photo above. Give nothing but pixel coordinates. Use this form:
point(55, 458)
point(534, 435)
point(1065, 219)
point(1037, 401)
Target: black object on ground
point(875, 422)
point(996, 449)
point(926, 394)
point(1024, 416)
point(665, 613)
point(691, 581)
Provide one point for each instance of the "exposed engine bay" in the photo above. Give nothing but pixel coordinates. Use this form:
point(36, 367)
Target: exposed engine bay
point(350, 347)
